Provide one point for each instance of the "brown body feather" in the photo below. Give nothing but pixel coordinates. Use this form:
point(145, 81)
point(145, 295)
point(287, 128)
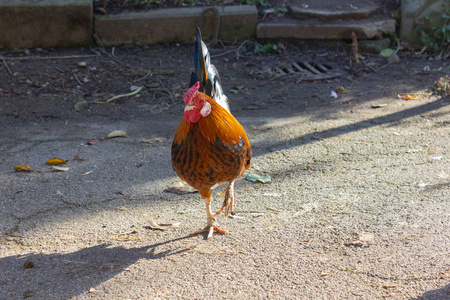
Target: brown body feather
point(213, 150)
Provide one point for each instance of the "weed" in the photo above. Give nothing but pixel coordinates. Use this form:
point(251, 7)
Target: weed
point(439, 38)
point(282, 10)
point(264, 49)
point(396, 15)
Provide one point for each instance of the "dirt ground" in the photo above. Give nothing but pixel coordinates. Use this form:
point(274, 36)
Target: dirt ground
point(357, 208)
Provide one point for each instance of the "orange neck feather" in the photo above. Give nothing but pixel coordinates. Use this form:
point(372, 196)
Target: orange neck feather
point(218, 124)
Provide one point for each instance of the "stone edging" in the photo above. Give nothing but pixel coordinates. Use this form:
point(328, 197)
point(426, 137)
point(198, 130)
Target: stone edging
point(71, 23)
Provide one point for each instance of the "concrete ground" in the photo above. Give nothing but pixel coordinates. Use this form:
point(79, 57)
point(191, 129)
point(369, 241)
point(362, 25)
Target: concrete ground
point(358, 206)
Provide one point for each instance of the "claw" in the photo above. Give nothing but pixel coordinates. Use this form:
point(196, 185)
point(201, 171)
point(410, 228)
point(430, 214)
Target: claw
point(211, 221)
point(210, 230)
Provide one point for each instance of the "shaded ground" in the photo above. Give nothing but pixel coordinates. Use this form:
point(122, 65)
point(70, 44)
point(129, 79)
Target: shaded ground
point(358, 206)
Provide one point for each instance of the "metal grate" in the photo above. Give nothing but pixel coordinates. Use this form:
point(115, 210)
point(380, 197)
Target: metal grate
point(308, 70)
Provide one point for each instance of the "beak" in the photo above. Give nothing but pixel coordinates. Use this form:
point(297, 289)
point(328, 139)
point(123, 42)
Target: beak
point(188, 108)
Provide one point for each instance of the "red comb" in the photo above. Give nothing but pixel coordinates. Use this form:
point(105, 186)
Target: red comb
point(190, 93)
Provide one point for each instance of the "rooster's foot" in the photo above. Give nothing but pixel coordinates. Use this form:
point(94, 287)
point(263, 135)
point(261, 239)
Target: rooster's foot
point(210, 229)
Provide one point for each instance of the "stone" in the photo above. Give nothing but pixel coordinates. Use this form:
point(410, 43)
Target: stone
point(306, 29)
point(45, 23)
point(374, 46)
point(327, 14)
point(174, 25)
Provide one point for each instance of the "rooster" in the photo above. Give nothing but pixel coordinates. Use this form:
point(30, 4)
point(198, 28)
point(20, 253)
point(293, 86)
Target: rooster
point(210, 146)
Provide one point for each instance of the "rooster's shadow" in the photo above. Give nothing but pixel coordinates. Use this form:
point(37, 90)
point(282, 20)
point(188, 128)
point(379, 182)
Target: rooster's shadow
point(63, 276)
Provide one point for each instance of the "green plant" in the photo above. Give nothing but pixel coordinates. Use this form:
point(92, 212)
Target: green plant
point(396, 15)
point(438, 39)
point(389, 52)
point(282, 10)
point(264, 49)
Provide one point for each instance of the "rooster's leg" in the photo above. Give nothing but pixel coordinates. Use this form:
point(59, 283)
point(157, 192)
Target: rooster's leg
point(211, 226)
point(228, 201)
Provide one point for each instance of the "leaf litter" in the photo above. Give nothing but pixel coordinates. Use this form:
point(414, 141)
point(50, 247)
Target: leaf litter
point(25, 167)
point(117, 133)
point(163, 226)
point(60, 169)
point(56, 161)
point(258, 178)
point(93, 142)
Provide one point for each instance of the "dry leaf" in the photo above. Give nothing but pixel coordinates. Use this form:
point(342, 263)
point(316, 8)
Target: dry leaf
point(56, 161)
point(170, 225)
point(413, 96)
point(61, 169)
point(117, 133)
point(154, 226)
point(23, 168)
point(340, 90)
point(442, 86)
point(93, 142)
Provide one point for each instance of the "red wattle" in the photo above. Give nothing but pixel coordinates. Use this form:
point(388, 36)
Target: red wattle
point(192, 116)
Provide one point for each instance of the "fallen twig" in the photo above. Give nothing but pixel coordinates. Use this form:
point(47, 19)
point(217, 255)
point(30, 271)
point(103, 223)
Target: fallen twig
point(7, 68)
point(145, 76)
point(274, 209)
point(119, 96)
point(76, 77)
point(230, 51)
point(384, 66)
point(370, 67)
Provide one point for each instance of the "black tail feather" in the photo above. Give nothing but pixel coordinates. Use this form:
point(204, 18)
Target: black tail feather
point(206, 73)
